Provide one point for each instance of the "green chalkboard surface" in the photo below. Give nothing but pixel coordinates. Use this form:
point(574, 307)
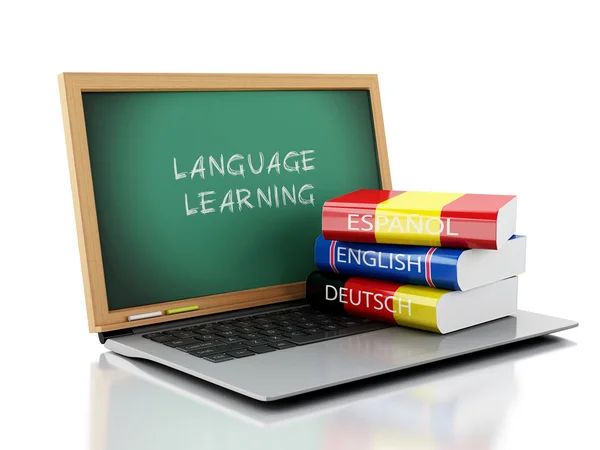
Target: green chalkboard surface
point(201, 193)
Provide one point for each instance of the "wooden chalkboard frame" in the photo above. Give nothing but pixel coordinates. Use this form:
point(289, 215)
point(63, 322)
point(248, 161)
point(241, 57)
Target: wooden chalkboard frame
point(72, 85)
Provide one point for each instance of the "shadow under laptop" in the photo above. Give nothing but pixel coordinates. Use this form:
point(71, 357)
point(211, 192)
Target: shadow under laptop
point(460, 403)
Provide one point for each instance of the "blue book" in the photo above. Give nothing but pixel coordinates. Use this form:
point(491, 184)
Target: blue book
point(440, 267)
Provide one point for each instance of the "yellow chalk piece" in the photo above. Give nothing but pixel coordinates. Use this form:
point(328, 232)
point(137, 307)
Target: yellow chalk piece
point(415, 306)
point(412, 218)
point(182, 310)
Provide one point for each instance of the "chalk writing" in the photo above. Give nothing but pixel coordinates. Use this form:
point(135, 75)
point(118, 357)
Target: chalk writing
point(239, 198)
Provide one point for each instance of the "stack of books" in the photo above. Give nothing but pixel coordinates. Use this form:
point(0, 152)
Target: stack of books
point(435, 261)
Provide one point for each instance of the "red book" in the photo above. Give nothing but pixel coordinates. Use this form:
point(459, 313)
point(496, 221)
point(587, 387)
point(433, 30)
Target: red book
point(433, 219)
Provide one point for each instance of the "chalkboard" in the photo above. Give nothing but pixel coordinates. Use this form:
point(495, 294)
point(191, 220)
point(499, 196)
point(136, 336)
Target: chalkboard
point(186, 208)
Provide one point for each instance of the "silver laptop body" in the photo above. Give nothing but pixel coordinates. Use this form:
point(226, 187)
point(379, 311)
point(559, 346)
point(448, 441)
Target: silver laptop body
point(306, 368)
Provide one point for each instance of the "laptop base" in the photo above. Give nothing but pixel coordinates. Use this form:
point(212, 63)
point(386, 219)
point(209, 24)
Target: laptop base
point(294, 371)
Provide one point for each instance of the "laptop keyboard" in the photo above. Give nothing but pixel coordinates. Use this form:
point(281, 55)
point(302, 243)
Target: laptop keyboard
point(226, 340)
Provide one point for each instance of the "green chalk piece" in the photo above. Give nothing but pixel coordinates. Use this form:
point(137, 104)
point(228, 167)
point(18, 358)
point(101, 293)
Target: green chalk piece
point(181, 310)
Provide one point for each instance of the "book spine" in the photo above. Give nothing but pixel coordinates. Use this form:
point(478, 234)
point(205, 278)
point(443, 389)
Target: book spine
point(386, 301)
point(425, 266)
point(415, 218)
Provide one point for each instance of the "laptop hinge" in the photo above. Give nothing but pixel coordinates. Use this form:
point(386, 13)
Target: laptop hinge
point(112, 334)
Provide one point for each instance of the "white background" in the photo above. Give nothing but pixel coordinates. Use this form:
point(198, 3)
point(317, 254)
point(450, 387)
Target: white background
point(485, 97)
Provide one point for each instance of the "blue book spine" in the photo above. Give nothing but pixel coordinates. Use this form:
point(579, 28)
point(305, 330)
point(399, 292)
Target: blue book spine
point(407, 264)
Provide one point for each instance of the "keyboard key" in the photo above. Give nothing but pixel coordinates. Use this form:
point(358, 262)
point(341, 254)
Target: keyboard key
point(207, 337)
point(183, 334)
point(308, 325)
point(295, 334)
point(251, 336)
point(290, 328)
point(281, 345)
point(257, 342)
point(325, 321)
point(152, 335)
point(219, 357)
point(331, 327)
point(209, 351)
point(281, 318)
point(231, 340)
point(170, 332)
point(241, 353)
point(275, 332)
point(180, 342)
point(276, 338)
point(227, 333)
point(343, 318)
point(163, 338)
point(247, 330)
point(266, 326)
point(262, 349)
point(321, 316)
point(312, 330)
point(199, 345)
point(206, 344)
point(223, 327)
point(205, 330)
point(192, 328)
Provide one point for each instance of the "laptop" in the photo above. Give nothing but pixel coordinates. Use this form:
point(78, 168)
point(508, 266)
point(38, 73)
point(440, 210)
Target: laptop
point(194, 255)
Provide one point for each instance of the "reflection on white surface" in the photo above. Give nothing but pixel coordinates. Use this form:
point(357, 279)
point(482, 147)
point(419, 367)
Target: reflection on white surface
point(460, 404)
